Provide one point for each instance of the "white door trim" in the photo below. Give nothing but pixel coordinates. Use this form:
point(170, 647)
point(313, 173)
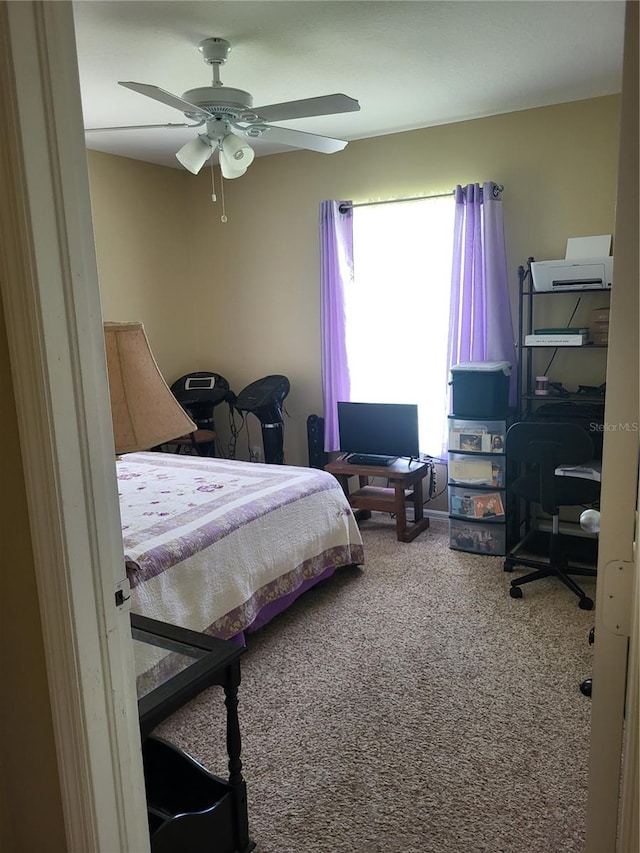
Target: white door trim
point(54, 328)
point(612, 811)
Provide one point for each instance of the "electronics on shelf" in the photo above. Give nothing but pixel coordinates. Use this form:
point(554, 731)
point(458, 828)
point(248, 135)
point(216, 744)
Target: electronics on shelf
point(573, 274)
point(383, 430)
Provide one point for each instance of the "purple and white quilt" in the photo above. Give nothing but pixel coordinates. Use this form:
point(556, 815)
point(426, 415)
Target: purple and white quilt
point(211, 543)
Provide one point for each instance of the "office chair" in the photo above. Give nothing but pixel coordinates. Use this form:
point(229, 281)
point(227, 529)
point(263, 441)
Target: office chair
point(540, 447)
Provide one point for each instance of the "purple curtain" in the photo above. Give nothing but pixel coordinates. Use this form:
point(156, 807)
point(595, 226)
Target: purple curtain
point(336, 271)
point(480, 323)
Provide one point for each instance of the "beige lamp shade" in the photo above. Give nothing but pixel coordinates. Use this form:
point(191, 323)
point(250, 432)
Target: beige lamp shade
point(144, 411)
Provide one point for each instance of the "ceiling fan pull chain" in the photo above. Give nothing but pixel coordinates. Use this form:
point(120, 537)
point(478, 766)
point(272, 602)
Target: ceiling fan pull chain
point(223, 218)
point(214, 197)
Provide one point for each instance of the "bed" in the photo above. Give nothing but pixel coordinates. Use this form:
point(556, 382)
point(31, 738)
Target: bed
point(222, 546)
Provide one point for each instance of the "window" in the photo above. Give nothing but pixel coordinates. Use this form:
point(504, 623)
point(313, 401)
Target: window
point(397, 309)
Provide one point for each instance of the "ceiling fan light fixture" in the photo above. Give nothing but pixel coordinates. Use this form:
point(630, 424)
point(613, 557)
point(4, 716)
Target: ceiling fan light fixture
point(230, 168)
point(237, 151)
point(195, 153)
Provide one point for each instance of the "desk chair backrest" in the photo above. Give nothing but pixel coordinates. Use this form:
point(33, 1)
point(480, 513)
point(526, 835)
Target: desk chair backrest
point(546, 446)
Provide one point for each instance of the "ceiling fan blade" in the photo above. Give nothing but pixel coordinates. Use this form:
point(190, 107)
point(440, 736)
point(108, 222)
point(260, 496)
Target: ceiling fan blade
point(169, 126)
point(164, 97)
point(321, 106)
point(294, 138)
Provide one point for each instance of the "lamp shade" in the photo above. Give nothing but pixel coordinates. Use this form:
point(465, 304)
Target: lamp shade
point(143, 410)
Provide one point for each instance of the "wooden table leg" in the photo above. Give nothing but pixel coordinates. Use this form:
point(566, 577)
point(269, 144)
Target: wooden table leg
point(407, 533)
point(400, 510)
point(418, 512)
point(236, 781)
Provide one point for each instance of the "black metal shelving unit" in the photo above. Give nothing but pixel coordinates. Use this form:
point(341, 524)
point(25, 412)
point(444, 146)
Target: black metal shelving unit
point(527, 297)
point(583, 407)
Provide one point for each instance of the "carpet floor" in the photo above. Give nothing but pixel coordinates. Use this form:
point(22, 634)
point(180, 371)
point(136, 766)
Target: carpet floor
point(411, 706)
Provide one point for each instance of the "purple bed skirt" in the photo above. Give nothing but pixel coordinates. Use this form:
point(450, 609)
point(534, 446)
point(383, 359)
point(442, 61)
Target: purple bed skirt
point(271, 610)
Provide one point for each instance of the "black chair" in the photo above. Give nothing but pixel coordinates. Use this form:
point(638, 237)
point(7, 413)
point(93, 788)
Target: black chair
point(539, 448)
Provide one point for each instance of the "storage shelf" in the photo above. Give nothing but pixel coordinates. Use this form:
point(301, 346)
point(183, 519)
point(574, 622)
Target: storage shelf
point(380, 498)
point(565, 346)
point(526, 359)
point(564, 398)
point(532, 292)
point(474, 486)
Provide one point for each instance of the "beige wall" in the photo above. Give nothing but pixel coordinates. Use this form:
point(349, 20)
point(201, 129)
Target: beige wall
point(242, 298)
point(139, 214)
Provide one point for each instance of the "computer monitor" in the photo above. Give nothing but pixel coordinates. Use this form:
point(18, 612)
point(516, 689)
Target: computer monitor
point(385, 429)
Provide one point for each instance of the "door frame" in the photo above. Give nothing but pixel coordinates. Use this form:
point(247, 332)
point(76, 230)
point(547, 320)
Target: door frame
point(56, 350)
point(612, 809)
point(54, 329)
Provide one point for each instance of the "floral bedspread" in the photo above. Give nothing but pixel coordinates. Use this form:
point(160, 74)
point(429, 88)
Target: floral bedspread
point(209, 542)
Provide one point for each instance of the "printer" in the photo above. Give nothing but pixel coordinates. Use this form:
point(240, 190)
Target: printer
point(573, 274)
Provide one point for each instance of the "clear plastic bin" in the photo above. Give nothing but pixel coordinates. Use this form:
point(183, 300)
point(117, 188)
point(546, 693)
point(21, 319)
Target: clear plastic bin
point(477, 505)
point(476, 470)
point(477, 537)
point(477, 436)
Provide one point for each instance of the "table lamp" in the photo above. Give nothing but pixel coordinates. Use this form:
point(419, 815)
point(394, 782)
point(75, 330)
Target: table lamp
point(144, 412)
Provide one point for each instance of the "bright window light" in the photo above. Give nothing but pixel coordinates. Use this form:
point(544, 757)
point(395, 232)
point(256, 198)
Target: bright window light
point(398, 309)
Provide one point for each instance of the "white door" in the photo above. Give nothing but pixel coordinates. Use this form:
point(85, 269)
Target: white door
point(56, 348)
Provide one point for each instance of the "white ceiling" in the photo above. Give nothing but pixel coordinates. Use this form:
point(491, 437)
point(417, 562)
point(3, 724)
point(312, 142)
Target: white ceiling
point(410, 64)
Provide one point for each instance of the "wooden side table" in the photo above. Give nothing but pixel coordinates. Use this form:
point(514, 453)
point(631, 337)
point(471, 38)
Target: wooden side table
point(405, 484)
point(188, 807)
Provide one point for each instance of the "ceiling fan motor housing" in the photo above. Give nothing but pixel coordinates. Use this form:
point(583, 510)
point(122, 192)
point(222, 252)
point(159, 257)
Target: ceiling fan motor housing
point(214, 50)
point(223, 100)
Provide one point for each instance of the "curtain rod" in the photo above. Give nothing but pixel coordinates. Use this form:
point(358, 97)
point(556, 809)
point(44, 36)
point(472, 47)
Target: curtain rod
point(344, 206)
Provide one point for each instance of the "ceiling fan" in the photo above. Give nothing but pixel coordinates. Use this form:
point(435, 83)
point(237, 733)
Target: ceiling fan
point(229, 117)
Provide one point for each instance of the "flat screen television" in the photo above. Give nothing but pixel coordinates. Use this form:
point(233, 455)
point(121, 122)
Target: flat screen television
point(379, 429)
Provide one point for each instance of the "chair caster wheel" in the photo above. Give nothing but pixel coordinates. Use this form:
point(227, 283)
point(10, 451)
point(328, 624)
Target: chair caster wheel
point(507, 567)
point(515, 592)
point(585, 604)
point(585, 687)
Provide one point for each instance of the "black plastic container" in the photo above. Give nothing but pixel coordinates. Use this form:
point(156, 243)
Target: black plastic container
point(480, 389)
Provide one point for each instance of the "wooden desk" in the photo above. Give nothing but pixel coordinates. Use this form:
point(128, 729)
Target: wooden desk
point(405, 484)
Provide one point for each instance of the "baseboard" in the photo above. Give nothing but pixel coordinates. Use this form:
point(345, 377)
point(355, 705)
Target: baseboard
point(435, 514)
